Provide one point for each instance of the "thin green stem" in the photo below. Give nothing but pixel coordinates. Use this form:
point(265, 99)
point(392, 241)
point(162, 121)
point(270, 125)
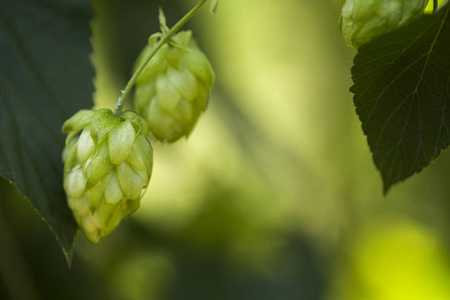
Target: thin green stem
point(165, 38)
point(435, 5)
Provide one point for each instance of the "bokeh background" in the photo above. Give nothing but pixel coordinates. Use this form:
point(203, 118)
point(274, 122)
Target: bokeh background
point(273, 196)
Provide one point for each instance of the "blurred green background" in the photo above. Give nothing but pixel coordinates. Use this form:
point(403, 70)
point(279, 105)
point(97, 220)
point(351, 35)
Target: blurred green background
point(274, 195)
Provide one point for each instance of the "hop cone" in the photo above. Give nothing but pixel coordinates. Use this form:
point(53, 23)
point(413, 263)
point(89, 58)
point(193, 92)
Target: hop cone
point(362, 20)
point(172, 90)
point(108, 164)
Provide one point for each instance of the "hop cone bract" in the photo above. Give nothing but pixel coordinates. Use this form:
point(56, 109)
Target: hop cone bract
point(173, 89)
point(362, 20)
point(108, 164)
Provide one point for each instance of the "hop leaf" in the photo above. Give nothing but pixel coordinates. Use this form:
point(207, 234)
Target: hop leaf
point(362, 20)
point(172, 90)
point(108, 164)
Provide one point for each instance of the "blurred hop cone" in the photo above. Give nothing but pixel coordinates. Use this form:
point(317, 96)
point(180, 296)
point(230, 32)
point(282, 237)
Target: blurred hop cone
point(108, 164)
point(173, 88)
point(362, 20)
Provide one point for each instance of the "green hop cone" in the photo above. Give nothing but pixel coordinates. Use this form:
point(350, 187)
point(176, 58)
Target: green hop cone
point(362, 20)
point(107, 166)
point(173, 88)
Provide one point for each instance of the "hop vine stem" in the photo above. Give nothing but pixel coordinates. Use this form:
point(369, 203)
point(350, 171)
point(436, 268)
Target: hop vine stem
point(165, 38)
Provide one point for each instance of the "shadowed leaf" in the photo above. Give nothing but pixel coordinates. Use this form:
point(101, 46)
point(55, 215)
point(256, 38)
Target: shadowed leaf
point(45, 77)
point(402, 95)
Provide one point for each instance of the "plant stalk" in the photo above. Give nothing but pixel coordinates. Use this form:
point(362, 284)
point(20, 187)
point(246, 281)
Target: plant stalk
point(165, 38)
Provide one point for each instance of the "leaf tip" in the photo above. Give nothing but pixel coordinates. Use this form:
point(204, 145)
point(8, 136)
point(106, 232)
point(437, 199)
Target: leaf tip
point(68, 254)
point(386, 189)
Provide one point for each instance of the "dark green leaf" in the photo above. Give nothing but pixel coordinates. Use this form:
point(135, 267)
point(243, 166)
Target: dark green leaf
point(402, 95)
point(45, 77)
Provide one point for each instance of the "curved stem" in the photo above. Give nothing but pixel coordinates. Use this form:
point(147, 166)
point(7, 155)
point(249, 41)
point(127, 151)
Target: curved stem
point(165, 38)
point(435, 5)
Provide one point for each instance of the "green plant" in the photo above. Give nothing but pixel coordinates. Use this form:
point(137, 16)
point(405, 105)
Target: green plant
point(173, 89)
point(361, 21)
point(108, 164)
point(401, 92)
point(401, 77)
point(108, 160)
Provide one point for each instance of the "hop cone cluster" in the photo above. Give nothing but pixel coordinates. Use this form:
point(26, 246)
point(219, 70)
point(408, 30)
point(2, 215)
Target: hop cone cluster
point(173, 89)
point(362, 20)
point(108, 164)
